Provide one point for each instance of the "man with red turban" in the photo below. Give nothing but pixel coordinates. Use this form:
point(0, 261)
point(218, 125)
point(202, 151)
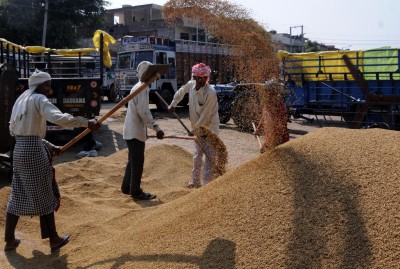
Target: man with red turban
point(203, 111)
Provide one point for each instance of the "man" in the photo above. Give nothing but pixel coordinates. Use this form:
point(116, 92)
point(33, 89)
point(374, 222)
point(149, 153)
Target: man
point(203, 111)
point(34, 190)
point(138, 119)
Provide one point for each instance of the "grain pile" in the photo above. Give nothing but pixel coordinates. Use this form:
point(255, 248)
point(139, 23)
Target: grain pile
point(329, 199)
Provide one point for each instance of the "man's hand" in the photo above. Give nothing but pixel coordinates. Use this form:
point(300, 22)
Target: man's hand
point(94, 125)
point(159, 132)
point(171, 109)
point(56, 151)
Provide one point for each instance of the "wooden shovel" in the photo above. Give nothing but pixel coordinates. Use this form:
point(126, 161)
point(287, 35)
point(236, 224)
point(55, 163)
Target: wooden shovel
point(257, 136)
point(153, 73)
point(175, 137)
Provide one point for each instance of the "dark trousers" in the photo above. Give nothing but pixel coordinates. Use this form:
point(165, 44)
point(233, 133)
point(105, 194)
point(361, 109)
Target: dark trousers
point(47, 226)
point(88, 141)
point(134, 167)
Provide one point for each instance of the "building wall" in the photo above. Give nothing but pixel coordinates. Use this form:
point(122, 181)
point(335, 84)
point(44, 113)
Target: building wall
point(148, 20)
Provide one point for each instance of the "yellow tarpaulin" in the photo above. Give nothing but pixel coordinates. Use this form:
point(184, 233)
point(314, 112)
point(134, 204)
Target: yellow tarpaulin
point(329, 65)
point(318, 66)
point(383, 61)
point(107, 39)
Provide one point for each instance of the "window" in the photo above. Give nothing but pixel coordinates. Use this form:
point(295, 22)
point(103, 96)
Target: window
point(143, 56)
point(185, 36)
point(124, 60)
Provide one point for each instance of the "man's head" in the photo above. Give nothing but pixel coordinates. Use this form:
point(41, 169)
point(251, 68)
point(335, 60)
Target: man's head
point(142, 68)
point(40, 82)
point(201, 73)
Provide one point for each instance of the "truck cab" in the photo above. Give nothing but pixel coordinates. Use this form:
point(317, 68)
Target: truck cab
point(137, 49)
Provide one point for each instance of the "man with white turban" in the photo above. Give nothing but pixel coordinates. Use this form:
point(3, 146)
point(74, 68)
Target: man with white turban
point(203, 111)
point(34, 190)
point(138, 119)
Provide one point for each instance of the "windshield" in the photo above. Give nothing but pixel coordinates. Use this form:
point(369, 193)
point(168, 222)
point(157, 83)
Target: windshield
point(124, 60)
point(143, 56)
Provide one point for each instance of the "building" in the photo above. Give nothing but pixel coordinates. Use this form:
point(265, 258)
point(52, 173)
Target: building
point(282, 41)
point(147, 20)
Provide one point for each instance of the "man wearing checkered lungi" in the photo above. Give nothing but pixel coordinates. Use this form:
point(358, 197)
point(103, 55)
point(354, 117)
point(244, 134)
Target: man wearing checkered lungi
point(34, 190)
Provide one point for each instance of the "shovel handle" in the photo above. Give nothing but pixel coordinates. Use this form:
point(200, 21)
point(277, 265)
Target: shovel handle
point(175, 137)
point(111, 111)
point(173, 113)
point(258, 138)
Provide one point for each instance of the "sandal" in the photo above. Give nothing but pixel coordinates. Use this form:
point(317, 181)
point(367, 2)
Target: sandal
point(191, 185)
point(13, 245)
point(63, 242)
point(144, 196)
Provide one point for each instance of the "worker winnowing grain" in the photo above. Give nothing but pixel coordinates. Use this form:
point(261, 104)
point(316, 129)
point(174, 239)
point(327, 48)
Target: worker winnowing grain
point(203, 111)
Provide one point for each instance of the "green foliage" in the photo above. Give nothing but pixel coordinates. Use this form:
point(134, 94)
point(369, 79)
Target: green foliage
point(312, 46)
point(22, 21)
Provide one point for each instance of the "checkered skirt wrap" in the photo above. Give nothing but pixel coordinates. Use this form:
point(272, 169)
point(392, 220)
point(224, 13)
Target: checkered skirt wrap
point(32, 192)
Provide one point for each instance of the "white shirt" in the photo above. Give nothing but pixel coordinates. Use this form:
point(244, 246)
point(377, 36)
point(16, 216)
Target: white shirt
point(39, 110)
point(203, 105)
point(138, 116)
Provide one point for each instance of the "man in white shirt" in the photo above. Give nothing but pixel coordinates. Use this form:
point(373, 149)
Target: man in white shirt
point(34, 190)
point(203, 111)
point(138, 119)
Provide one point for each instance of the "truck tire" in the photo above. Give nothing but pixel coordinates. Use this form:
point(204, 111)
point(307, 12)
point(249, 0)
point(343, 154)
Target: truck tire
point(167, 96)
point(224, 118)
point(224, 109)
point(246, 109)
point(112, 94)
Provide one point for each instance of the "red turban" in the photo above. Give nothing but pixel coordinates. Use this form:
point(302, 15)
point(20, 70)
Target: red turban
point(201, 70)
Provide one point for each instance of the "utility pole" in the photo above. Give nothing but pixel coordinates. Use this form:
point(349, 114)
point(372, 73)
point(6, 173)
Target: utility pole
point(46, 9)
point(302, 37)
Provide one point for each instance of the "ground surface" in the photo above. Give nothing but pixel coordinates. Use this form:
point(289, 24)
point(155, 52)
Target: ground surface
point(328, 198)
point(241, 146)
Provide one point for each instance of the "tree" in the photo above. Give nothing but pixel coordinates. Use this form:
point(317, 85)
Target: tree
point(312, 46)
point(22, 21)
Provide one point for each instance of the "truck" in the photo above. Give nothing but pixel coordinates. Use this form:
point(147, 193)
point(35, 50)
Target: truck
point(356, 89)
point(180, 54)
point(76, 84)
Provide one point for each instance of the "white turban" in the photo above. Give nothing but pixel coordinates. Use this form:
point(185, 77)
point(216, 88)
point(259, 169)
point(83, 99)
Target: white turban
point(142, 68)
point(38, 78)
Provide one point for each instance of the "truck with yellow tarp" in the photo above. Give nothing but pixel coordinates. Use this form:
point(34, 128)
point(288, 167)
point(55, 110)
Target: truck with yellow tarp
point(77, 75)
point(77, 79)
point(360, 88)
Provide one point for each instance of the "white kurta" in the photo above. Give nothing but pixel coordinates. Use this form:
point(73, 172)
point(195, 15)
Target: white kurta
point(32, 122)
point(203, 105)
point(138, 116)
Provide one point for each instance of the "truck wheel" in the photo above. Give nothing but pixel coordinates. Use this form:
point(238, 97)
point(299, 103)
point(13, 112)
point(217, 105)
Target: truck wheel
point(246, 109)
point(167, 96)
point(224, 109)
point(224, 118)
point(112, 95)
